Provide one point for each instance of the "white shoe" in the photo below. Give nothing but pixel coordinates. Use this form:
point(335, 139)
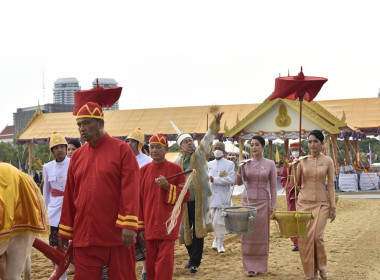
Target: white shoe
point(221, 249)
point(215, 244)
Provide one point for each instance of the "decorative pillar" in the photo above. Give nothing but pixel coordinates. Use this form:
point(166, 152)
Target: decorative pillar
point(357, 158)
point(199, 139)
point(346, 151)
point(241, 146)
point(334, 151)
point(328, 143)
point(286, 147)
point(270, 149)
point(31, 145)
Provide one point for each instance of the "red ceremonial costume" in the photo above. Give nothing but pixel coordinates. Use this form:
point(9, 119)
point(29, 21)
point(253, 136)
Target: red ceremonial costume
point(287, 182)
point(156, 206)
point(100, 200)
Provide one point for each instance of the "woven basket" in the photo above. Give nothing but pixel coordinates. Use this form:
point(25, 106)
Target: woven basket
point(292, 223)
point(239, 219)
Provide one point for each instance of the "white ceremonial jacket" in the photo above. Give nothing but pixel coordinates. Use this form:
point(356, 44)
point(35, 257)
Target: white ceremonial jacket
point(55, 174)
point(143, 159)
point(223, 173)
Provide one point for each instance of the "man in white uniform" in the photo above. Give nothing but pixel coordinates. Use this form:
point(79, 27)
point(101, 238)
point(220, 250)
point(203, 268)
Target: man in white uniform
point(136, 140)
point(222, 176)
point(55, 173)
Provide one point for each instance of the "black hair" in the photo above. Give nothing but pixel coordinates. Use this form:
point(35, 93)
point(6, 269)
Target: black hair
point(318, 134)
point(146, 148)
point(74, 142)
point(260, 139)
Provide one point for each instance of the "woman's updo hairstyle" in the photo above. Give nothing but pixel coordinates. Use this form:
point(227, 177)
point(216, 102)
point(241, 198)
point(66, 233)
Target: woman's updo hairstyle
point(318, 134)
point(258, 138)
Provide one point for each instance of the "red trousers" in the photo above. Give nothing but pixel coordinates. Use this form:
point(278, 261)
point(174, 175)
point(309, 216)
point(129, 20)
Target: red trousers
point(159, 259)
point(89, 262)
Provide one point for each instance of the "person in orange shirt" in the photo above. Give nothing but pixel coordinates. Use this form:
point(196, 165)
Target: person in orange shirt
point(313, 172)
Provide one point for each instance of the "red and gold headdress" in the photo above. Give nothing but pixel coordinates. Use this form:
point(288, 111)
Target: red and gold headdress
point(89, 103)
point(159, 138)
point(294, 145)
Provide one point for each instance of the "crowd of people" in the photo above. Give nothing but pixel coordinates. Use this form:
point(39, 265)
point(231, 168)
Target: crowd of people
point(112, 199)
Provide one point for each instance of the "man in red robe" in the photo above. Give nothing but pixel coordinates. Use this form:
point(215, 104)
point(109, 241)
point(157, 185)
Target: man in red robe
point(158, 197)
point(287, 181)
point(100, 206)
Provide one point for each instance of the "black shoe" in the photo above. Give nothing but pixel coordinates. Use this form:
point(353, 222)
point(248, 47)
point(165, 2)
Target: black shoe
point(193, 270)
point(295, 249)
point(187, 265)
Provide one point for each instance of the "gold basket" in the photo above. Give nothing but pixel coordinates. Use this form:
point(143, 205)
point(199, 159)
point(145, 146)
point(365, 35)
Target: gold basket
point(292, 223)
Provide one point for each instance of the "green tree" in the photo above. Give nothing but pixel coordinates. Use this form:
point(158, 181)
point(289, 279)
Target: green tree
point(8, 153)
point(174, 148)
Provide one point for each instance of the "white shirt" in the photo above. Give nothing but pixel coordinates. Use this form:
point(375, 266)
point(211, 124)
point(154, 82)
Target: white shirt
point(143, 159)
point(55, 174)
point(223, 173)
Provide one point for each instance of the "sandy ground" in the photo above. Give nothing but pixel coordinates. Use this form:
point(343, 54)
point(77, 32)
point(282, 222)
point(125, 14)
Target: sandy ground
point(352, 244)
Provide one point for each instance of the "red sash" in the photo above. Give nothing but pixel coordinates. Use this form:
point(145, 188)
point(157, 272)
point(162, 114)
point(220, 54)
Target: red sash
point(55, 192)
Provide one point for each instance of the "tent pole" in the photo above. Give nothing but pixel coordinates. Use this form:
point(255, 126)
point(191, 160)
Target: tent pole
point(299, 148)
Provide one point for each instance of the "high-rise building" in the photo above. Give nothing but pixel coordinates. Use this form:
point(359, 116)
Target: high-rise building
point(64, 89)
point(107, 83)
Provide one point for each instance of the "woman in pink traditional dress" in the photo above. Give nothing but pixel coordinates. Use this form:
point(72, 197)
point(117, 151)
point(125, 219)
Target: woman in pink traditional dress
point(314, 197)
point(257, 172)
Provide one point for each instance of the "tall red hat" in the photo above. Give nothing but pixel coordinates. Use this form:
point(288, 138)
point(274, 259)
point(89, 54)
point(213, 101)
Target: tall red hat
point(90, 110)
point(99, 97)
point(294, 145)
point(159, 138)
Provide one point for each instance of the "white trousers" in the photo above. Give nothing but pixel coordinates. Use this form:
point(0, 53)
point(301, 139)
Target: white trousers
point(218, 224)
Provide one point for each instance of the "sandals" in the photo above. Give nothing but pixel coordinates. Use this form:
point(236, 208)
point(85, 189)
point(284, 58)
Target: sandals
point(323, 273)
point(251, 274)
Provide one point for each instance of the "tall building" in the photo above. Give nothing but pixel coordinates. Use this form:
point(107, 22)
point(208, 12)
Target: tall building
point(107, 83)
point(64, 89)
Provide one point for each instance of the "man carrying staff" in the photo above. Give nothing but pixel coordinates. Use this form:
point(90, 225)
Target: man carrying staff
point(287, 181)
point(158, 196)
point(196, 221)
point(100, 207)
point(55, 173)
